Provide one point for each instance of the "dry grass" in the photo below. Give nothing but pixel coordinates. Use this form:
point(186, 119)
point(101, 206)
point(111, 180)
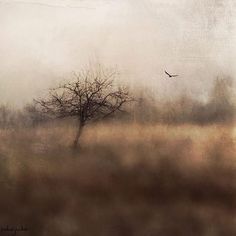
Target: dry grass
point(125, 180)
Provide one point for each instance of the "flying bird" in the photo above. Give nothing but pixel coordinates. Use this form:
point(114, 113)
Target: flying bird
point(171, 75)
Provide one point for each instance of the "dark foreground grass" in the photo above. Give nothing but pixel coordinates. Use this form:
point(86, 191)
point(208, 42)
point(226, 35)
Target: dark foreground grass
point(95, 192)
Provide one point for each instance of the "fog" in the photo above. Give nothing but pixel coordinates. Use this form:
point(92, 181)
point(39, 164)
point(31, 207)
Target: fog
point(43, 41)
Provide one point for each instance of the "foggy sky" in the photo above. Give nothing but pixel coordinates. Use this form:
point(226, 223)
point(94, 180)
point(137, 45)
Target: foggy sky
point(45, 40)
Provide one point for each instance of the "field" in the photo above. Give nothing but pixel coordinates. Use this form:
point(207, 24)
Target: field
point(126, 179)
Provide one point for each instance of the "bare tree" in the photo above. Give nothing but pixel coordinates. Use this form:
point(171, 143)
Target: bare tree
point(91, 96)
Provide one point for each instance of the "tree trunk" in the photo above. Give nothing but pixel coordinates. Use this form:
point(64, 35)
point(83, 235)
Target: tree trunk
point(78, 134)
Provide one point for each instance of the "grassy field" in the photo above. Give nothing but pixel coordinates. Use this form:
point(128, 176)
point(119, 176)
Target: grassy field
point(126, 179)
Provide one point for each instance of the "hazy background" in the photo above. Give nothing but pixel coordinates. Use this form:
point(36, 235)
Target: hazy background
point(45, 40)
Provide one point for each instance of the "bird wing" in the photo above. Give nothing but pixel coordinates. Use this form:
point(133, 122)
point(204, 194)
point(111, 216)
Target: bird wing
point(167, 73)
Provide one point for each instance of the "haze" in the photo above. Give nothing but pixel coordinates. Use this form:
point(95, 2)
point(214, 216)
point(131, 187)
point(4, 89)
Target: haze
point(44, 41)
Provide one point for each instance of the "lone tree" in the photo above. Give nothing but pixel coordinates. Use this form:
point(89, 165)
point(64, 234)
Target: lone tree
point(90, 96)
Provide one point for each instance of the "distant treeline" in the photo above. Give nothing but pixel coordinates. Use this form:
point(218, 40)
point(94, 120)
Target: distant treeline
point(16, 118)
point(219, 107)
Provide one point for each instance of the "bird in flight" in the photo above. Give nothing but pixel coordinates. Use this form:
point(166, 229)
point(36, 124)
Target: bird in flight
point(171, 75)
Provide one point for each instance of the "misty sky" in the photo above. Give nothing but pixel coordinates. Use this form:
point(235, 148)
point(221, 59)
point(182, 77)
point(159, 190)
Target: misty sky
point(45, 40)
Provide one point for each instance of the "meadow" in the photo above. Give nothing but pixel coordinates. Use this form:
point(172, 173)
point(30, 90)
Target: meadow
point(125, 179)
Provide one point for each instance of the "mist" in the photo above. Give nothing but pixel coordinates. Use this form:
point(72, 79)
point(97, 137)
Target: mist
point(95, 132)
point(45, 41)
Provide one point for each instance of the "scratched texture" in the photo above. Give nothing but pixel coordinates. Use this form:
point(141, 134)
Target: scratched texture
point(42, 41)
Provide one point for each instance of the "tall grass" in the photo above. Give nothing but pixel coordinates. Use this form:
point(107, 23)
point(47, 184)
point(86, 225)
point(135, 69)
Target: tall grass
point(125, 180)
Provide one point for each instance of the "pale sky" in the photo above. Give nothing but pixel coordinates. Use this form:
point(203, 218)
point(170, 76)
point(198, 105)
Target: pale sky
point(45, 40)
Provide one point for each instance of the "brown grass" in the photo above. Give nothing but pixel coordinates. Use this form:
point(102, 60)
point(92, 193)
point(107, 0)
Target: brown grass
point(125, 180)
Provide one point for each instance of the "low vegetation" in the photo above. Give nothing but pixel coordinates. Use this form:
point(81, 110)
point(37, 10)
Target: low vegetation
point(126, 180)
